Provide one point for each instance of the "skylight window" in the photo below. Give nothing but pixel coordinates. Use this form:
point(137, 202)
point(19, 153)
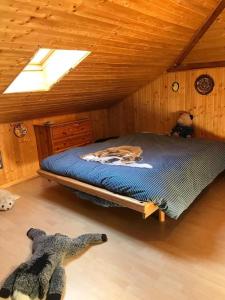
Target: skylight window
point(41, 55)
point(46, 68)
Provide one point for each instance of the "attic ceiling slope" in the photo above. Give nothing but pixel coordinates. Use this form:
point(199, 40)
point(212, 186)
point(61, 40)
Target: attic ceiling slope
point(211, 46)
point(180, 63)
point(131, 43)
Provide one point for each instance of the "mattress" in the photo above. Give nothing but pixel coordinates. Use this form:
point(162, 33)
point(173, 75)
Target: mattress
point(180, 169)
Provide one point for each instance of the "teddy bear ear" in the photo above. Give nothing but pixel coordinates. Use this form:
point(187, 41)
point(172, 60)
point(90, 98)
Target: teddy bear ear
point(183, 113)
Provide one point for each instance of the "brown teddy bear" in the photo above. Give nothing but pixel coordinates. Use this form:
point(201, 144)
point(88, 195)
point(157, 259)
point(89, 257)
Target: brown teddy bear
point(184, 126)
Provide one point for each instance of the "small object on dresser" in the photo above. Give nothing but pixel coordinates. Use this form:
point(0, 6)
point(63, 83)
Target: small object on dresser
point(48, 123)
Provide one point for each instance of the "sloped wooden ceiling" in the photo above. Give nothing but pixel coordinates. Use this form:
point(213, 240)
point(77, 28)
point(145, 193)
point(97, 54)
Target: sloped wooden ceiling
point(132, 42)
point(211, 47)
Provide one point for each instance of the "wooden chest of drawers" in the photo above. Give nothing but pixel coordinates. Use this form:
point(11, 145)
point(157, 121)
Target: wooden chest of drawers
point(54, 138)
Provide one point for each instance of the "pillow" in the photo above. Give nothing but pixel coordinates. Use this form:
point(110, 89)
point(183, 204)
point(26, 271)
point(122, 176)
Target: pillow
point(7, 199)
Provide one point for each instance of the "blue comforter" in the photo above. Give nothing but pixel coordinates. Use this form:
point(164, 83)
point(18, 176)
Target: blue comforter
point(181, 169)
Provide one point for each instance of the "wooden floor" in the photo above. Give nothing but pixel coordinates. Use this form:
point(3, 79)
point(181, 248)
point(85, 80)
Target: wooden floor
point(143, 259)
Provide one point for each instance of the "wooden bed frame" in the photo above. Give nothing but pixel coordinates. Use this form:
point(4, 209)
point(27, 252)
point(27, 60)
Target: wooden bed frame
point(146, 208)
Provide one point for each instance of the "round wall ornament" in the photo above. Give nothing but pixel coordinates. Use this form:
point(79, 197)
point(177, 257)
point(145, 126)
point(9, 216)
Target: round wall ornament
point(20, 130)
point(204, 84)
point(175, 86)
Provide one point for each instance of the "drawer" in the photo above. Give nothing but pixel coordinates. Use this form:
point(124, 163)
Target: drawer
point(68, 130)
point(63, 144)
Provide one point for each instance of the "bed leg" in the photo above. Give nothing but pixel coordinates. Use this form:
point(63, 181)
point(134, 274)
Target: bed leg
point(162, 216)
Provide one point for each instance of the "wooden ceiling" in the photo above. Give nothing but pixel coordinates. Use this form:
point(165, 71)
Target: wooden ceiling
point(132, 42)
point(211, 47)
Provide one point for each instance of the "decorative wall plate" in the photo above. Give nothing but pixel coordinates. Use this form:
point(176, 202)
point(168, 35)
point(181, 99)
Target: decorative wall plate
point(204, 84)
point(175, 86)
point(20, 130)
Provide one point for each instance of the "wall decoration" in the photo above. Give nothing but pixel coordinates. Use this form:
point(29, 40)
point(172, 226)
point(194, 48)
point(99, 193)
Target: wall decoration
point(20, 130)
point(175, 86)
point(204, 84)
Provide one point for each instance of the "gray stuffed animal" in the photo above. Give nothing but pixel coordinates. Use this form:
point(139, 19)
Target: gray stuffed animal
point(43, 276)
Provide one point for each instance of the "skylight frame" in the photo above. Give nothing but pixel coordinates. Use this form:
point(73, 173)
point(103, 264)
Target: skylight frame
point(48, 70)
point(43, 59)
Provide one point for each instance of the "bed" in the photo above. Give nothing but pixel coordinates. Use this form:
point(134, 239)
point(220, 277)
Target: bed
point(179, 169)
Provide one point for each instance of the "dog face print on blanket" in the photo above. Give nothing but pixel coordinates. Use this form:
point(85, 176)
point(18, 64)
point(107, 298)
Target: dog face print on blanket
point(129, 156)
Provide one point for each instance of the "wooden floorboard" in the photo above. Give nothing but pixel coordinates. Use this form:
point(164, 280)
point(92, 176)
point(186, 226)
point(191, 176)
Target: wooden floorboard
point(142, 260)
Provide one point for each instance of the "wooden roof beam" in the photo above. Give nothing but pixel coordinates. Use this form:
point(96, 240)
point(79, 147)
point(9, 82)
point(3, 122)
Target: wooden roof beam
point(197, 36)
point(194, 66)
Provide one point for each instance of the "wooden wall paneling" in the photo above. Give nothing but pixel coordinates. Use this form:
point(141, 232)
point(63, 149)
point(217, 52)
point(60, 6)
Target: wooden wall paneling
point(132, 42)
point(121, 118)
point(155, 107)
point(100, 123)
point(20, 156)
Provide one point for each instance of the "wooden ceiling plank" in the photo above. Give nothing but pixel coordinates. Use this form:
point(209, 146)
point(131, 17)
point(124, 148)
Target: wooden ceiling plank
point(81, 23)
point(202, 7)
point(106, 46)
point(140, 16)
point(176, 16)
point(198, 35)
point(17, 33)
